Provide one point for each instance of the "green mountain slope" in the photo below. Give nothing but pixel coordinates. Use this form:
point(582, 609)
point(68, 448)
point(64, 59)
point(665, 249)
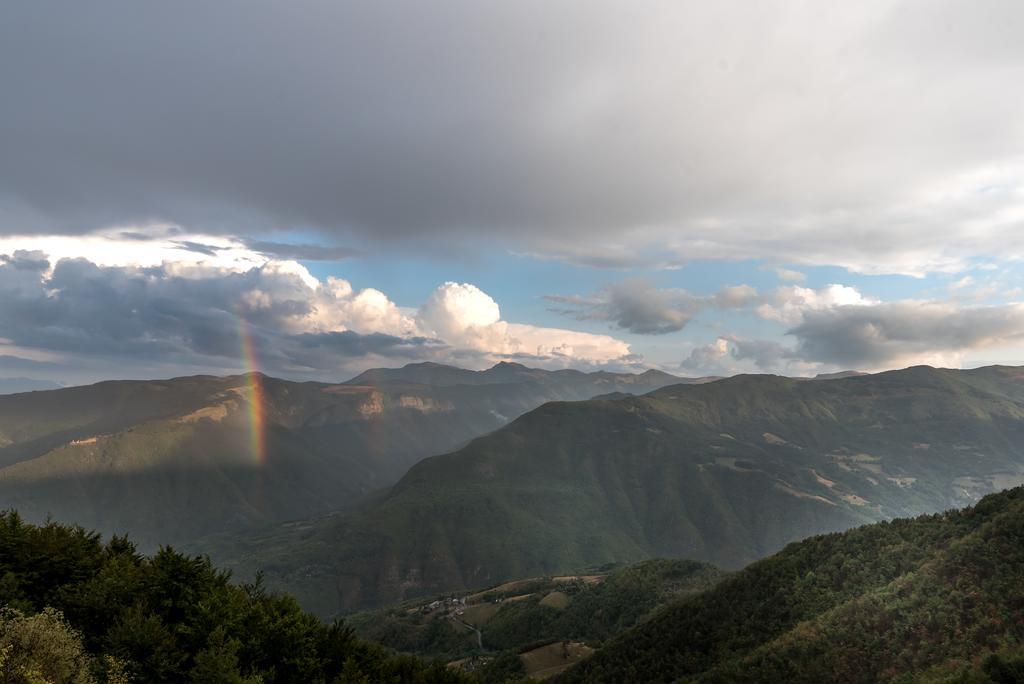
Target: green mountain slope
point(725, 472)
point(927, 599)
point(170, 460)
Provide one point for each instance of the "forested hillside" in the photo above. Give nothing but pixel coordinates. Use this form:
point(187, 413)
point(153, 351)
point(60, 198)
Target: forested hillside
point(77, 610)
point(936, 598)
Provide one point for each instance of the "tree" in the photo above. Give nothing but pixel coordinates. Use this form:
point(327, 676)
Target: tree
point(41, 648)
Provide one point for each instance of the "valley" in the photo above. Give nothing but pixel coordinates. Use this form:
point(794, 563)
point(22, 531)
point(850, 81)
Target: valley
point(725, 472)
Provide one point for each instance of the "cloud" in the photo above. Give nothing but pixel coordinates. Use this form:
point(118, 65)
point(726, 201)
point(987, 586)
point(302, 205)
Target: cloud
point(301, 251)
point(26, 260)
point(735, 297)
point(565, 348)
point(150, 245)
point(790, 275)
point(677, 131)
point(790, 304)
point(637, 306)
point(469, 318)
point(455, 309)
point(319, 350)
point(838, 328)
point(707, 359)
point(197, 247)
point(189, 317)
point(765, 354)
point(900, 333)
point(10, 363)
point(962, 283)
point(339, 307)
point(730, 354)
point(634, 305)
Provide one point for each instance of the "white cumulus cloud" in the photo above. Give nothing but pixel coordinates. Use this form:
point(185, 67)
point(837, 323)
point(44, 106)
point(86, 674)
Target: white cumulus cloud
point(463, 315)
point(788, 304)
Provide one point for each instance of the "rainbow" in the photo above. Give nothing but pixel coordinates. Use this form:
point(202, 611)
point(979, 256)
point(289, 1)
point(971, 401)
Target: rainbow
point(257, 417)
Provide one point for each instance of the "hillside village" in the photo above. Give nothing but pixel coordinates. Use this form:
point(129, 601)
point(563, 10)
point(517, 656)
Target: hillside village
point(468, 615)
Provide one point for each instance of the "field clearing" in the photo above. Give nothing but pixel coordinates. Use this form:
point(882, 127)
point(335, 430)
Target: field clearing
point(586, 579)
point(555, 599)
point(501, 588)
point(548, 661)
point(479, 614)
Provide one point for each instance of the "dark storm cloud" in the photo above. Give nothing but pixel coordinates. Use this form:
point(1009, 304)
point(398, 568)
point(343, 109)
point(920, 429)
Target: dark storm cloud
point(579, 129)
point(388, 117)
point(134, 313)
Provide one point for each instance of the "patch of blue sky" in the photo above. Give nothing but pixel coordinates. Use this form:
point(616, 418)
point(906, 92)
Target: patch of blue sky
point(519, 283)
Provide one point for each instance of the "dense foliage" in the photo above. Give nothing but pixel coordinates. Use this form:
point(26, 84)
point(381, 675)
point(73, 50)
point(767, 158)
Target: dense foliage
point(44, 648)
point(103, 612)
point(938, 597)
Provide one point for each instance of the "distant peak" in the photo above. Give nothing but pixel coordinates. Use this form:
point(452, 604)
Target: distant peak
point(508, 365)
point(839, 375)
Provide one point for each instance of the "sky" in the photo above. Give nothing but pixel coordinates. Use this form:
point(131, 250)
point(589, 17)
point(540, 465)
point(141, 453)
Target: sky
point(704, 188)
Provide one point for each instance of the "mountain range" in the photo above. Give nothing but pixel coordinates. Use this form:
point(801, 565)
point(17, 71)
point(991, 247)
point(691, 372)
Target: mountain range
point(171, 460)
point(725, 472)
